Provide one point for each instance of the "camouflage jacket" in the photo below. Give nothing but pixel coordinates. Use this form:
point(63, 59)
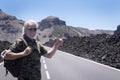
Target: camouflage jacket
point(31, 66)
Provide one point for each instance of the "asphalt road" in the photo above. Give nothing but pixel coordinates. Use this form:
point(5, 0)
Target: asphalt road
point(64, 66)
point(2, 74)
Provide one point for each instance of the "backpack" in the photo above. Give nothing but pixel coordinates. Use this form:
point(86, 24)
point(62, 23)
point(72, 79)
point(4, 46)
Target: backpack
point(13, 66)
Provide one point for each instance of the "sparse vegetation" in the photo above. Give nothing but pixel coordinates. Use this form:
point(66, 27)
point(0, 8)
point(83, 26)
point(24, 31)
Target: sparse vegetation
point(62, 30)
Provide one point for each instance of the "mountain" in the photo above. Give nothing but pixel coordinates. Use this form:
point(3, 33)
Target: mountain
point(51, 21)
point(49, 28)
point(10, 27)
point(52, 26)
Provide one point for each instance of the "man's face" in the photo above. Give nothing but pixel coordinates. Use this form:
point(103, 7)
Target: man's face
point(31, 31)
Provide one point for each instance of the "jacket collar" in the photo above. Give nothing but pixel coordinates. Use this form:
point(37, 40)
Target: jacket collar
point(28, 39)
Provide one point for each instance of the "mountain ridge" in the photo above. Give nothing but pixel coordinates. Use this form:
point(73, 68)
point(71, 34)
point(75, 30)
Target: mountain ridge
point(49, 28)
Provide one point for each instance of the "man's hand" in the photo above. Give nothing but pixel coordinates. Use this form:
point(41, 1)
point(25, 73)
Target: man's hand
point(3, 54)
point(51, 52)
point(59, 41)
point(27, 51)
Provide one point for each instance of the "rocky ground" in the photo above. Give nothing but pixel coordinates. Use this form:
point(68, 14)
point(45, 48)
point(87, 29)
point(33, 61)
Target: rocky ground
point(102, 48)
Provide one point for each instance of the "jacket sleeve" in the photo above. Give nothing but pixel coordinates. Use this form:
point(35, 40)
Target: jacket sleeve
point(17, 46)
point(43, 50)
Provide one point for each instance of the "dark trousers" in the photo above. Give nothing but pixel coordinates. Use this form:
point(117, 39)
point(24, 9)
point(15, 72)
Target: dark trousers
point(23, 78)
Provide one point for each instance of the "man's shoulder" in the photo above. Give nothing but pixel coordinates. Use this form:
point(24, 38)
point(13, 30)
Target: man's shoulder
point(19, 39)
point(19, 42)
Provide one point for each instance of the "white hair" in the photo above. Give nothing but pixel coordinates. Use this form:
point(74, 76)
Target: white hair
point(27, 24)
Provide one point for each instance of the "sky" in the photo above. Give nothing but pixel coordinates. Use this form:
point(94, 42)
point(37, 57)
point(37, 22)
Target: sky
point(91, 14)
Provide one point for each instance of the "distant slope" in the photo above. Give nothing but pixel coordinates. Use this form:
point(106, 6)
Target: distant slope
point(10, 27)
point(49, 28)
point(58, 27)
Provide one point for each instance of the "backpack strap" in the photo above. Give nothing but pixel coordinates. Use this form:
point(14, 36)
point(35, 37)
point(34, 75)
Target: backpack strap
point(38, 46)
point(6, 72)
point(24, 41)
point(2, 54)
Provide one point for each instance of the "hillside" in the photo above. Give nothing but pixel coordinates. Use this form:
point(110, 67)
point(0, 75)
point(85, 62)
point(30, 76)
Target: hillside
point(10, 27)
point(49, 28)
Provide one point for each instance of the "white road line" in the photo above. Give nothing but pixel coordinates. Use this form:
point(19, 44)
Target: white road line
point(48, 76)
point(45, 66)
point(43, 60)
point(107, 66)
